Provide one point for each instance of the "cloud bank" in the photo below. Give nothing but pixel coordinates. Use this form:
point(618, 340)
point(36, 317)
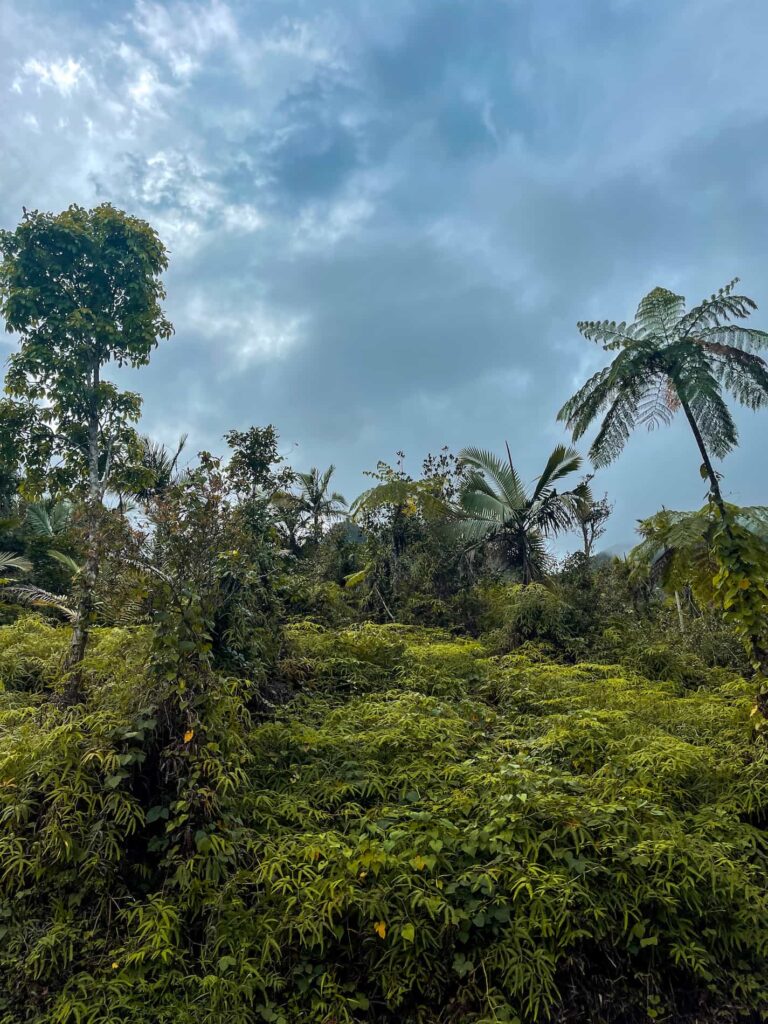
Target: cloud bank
point(385, 220)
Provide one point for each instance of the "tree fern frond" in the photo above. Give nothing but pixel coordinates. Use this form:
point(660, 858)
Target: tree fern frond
point(746, 339)
point(716, 310)
point(658, 314)
point(617, 424)
point(608, 333)
point(710, 412)
point(658, 405)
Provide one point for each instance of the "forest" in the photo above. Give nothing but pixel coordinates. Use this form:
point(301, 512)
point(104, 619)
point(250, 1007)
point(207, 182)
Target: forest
point(272, 753)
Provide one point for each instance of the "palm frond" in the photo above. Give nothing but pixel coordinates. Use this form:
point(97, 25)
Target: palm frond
point(8, 560)
point(38, 521)
point(35, 597)
point(66, 560)
point(495, 471)
point(560, 463)
point(354, 579)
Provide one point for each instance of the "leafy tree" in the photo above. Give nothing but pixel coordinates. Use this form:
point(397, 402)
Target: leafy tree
point(495, 507)
point(317, 501)
point(670, 359)
point(82, 289)
point(252, 466)
point(591, 517)
point(414, 563)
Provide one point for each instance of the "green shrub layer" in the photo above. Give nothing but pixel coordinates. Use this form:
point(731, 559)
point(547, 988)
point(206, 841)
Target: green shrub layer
point(426, 833)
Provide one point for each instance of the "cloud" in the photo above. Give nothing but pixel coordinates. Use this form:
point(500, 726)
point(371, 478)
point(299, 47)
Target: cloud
point(181, 34)
point(385, 220)
point(63, 76)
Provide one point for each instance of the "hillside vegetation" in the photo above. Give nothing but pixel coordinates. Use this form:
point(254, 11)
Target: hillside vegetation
point(424, 832)
point(270, 755)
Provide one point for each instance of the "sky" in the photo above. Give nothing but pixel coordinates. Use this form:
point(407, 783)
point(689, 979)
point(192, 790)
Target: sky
point(385, 217)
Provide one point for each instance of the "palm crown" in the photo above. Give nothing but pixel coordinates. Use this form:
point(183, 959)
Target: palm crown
point(669, 359)
point(317, 501)
point(496, 505)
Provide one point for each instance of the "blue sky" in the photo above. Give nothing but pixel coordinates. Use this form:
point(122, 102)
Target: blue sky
point(385, 218)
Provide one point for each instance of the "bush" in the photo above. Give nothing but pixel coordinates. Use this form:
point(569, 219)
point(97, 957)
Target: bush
point(454, 838)
point(531, 613)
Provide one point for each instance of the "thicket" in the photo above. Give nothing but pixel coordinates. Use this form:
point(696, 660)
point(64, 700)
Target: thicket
point(427, 832)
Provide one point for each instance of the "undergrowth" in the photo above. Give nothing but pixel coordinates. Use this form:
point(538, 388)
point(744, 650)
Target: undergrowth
point(428, 833)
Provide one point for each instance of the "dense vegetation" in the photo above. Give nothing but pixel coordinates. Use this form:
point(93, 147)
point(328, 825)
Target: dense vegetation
point(266, 755)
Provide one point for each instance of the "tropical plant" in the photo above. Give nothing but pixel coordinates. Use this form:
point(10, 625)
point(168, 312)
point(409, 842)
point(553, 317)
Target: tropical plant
point(27, 593)
point(160, 464)
point(317, 501)
point(495, 507)
point(670, 359)
point(592, 514)
point(47, 520)
point(10, 560)
point(722, 555)
point(82, 289)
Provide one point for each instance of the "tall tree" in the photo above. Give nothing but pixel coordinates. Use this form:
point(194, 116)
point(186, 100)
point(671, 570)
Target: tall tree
point(496, 506)
point(317, 500)
point(82, 289)
point(670, 359)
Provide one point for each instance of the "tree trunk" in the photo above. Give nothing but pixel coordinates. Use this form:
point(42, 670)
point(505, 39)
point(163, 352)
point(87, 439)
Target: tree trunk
point(680, 619)
point(90, 571)
point(587, 540)
point(714, 483)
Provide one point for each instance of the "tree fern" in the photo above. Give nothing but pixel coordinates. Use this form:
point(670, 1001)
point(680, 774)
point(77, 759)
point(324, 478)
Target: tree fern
point(669, 360)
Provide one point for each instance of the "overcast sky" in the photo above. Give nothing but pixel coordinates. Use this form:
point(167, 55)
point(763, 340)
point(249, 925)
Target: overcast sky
point(386, 216)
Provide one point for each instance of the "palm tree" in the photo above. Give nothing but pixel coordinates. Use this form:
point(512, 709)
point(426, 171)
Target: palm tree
point(317, 501)
point(495, 506)
point(161, 465)
point(669, 359)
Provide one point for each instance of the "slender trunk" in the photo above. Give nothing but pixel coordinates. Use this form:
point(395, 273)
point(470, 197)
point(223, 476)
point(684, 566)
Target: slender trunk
point(587, 540)
point(714, 483)
point(90, 571)
point(680, 619)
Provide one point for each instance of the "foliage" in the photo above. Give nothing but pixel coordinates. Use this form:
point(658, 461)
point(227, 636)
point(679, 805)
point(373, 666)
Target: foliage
point(413, 565)
point(496, 507)
point(669, 358)
point(316, 501)
point(396, 766)
point(454, 838)
point(252, 466)
point(82, 289)
point(722, 554)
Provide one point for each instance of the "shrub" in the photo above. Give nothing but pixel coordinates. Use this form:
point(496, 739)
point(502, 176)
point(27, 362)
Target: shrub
point(453, 839)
